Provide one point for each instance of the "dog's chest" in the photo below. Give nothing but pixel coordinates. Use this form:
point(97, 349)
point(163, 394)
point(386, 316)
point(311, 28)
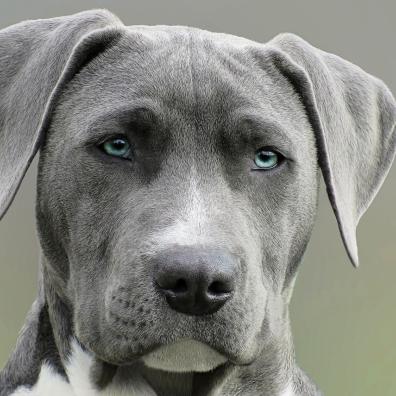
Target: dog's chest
point(50, 383)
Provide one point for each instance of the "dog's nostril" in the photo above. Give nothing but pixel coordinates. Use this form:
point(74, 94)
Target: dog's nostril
point(218, 287)
point(174, 285)
point(180, 286)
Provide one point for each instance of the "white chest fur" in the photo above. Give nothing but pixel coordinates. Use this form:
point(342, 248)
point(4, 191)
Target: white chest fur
point(51, 383)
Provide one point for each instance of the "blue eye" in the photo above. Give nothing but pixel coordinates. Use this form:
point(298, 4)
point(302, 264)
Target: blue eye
point(117, 147)
point(266, 159)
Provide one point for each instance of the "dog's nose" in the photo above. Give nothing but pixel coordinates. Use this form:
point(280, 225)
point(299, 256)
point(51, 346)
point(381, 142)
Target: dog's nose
point(195, 282)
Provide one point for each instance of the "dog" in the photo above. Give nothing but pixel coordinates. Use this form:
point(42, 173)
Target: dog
point(177, 190)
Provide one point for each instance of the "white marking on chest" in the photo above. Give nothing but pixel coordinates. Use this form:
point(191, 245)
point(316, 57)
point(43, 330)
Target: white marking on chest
point(288, 391)
point(50, 383)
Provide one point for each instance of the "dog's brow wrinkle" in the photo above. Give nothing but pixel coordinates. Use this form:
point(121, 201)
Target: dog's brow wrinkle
point(143, 109)
point(192, 77)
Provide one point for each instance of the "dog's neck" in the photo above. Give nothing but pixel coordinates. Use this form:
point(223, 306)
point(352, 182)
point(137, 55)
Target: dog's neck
point(48, 355)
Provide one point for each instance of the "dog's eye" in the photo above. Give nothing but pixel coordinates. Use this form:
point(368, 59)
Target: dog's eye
point(266, 158)
point(117, 147)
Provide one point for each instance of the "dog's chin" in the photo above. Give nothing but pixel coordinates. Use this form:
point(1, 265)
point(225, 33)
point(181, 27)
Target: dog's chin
point(181, 356)
point(174, 354)
point(186, 355)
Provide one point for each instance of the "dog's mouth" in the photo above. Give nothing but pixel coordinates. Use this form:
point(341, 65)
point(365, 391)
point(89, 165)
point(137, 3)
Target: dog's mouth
point(187, 356)
point(170, 343)
point(183, 355)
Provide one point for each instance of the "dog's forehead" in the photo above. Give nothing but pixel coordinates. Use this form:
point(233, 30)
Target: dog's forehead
point(188, 72)
point(195, 38)
point(188, 62)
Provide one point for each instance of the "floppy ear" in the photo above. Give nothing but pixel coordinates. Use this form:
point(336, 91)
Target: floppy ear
point(353, 116)
point(37, 59)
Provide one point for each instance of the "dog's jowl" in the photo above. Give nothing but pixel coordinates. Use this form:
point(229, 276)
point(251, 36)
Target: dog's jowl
point(177, 190)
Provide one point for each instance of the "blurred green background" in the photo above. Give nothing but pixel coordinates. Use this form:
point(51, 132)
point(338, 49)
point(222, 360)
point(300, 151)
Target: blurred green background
point(344, 320)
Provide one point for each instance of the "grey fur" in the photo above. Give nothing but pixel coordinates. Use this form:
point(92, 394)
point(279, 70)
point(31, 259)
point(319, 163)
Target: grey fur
point(213, 99)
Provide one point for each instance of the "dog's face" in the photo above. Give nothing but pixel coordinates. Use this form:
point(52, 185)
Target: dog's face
point(205, 160)
point(178, 179)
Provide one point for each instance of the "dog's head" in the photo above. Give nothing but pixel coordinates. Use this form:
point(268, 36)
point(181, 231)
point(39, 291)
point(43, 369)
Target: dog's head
point(178, 176)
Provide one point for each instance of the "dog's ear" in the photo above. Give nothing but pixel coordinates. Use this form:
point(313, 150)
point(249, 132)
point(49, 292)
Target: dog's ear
point(353, 116)
point(37, 59)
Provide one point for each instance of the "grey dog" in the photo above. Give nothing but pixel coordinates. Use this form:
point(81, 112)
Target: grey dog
point(177, 191)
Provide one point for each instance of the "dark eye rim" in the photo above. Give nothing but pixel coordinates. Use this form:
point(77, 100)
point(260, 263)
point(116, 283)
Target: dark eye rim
point(281, 159)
